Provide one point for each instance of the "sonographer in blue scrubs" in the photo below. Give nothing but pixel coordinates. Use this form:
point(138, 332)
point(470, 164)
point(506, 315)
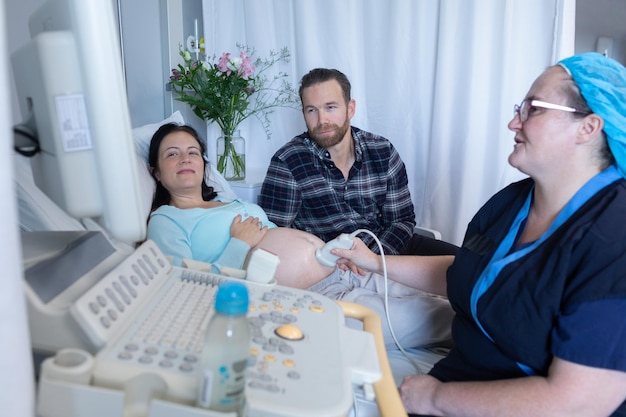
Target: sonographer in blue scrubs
point(539, 285)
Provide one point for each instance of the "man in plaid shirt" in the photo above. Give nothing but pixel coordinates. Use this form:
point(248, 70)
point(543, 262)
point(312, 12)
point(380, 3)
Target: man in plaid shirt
point(336, 178)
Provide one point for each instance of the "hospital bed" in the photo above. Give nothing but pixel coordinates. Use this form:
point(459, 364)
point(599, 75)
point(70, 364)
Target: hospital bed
point(360, 374)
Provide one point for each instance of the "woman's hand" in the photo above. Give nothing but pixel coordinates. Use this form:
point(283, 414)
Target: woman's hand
point(359, 258)
point(250, 230)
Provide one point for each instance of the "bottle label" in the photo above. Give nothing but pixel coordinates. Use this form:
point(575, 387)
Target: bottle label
point(206, 388)
point(223, 388)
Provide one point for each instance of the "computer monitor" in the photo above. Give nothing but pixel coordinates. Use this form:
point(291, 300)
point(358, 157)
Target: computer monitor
point(70, 84)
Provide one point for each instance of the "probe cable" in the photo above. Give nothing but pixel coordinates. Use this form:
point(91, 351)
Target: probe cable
point(386, 297)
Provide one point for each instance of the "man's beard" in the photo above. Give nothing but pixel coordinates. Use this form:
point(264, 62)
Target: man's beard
point(327, 141)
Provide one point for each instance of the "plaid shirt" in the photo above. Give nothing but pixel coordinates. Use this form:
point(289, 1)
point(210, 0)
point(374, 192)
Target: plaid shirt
point(304, 189)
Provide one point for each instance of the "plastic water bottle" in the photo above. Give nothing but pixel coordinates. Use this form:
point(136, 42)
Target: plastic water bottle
point(226, 350)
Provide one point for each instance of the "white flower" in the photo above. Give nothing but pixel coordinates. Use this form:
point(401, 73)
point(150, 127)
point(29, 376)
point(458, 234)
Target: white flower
point(234, 63)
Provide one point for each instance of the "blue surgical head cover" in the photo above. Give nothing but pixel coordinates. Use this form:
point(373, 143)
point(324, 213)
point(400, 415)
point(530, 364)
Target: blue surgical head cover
point(602, 83)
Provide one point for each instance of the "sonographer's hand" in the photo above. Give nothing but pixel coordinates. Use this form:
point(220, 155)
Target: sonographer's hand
point(359, 259)
point(417, 392)
point(345, 265)
point(250, 230)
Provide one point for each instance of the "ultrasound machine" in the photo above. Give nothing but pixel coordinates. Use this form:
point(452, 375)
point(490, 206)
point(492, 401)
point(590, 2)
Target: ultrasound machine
point(127, 342)
point(116, 330)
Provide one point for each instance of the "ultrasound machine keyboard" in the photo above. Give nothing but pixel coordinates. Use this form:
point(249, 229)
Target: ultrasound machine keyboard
point(159, 332)
point(176, 321)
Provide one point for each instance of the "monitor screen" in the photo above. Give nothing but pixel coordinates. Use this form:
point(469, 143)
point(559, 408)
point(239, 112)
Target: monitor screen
point(81, 253)
point(71, 88)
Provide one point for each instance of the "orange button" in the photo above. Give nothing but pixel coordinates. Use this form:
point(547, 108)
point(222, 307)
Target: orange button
point(289, 332)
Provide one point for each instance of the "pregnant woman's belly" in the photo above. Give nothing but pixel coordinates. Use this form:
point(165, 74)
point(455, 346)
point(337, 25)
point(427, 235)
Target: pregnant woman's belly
point(296, 250)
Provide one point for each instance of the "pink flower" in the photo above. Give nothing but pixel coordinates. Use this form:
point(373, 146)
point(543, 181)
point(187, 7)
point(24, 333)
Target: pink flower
point(246, 69)
point(242, 65)
point(223, 63)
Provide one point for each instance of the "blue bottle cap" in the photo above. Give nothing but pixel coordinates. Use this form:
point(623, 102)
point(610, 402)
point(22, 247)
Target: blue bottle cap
point(231, 298)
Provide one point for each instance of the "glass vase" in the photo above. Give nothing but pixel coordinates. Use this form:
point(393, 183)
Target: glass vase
point(231, 156)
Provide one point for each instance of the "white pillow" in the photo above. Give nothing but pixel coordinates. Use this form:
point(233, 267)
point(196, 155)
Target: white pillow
point(143, 134)
point(218, 182)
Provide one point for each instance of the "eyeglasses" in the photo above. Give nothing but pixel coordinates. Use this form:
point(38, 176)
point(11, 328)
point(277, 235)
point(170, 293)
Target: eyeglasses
point(525, 109)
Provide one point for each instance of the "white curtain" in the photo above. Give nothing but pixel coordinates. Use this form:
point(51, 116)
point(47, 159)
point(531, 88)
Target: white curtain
point(439, 78)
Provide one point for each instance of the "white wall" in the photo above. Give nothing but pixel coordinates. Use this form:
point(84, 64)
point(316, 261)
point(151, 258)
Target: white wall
point(177, 23)
point(17, 35)
point(596, 18)
point(141, 32)
point(151, 32)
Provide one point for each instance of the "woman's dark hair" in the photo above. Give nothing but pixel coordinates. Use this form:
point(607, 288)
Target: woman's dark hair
point(161, 195)
point(320, 75)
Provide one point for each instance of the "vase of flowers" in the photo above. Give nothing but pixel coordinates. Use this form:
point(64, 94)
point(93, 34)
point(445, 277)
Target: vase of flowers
point(229, 89)
point(231, 156)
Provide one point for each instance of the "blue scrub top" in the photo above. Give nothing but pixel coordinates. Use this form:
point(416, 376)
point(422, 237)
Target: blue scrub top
point(565, 298)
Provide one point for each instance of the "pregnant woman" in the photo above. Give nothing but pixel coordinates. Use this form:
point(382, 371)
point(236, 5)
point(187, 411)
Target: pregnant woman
point(189, 220)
